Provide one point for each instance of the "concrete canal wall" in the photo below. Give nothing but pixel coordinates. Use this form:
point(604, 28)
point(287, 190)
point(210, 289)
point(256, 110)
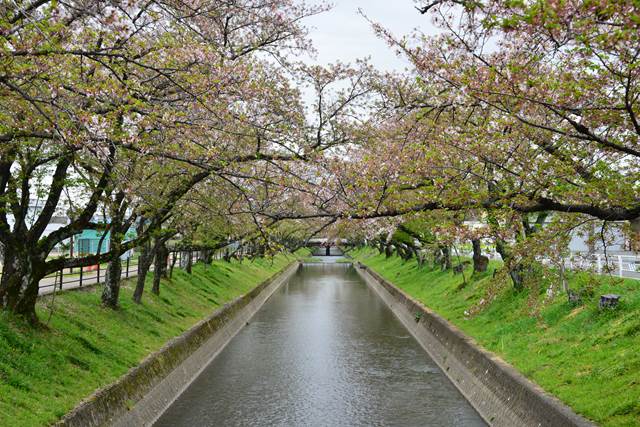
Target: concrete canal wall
point(501, 395)
point(145, 392)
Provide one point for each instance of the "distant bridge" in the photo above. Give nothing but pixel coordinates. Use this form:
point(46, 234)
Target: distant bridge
point(326, 247)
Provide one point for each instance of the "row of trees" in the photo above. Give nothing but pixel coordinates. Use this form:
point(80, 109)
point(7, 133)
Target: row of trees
point(187, 119)
point(523, 116)
point(173, 118)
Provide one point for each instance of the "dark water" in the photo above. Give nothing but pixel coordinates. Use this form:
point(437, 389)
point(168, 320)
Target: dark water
point(323, 351)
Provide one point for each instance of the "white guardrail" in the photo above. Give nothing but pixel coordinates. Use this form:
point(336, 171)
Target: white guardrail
point(621, 265)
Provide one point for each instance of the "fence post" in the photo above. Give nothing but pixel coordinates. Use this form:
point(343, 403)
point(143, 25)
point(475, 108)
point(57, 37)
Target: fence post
point(127, 275)
point(98, 281)
point(620, 265)
point(81, 270)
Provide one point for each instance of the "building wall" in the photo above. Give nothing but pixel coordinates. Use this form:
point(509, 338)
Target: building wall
point(88, 241)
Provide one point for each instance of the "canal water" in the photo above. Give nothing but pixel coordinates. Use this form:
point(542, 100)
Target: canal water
point(323, 351)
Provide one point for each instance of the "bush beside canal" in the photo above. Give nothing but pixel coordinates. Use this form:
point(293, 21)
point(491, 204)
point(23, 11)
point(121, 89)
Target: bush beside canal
point(46, 372)
point(587, 357)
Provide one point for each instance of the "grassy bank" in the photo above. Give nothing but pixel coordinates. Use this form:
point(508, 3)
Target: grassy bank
point(588, 358)
point(44, 373)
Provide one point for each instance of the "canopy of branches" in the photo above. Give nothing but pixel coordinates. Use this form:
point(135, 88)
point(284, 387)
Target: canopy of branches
point(187, 119)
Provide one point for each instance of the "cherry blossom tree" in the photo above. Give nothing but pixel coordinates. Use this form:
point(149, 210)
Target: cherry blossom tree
point(89, 89)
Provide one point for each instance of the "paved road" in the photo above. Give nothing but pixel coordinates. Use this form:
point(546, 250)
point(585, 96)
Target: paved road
point(72, 281)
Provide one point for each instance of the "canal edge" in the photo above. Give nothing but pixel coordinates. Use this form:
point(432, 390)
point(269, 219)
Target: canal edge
point(144, 393)
point(500, 394)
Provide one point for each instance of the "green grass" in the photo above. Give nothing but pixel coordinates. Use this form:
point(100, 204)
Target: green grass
point(46, 372)
point(589, 358)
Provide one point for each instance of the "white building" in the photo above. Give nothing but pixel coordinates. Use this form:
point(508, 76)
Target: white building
point(36, 205)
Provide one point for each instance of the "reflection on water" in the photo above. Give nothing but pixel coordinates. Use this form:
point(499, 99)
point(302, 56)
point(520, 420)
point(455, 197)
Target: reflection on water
point(323, 351)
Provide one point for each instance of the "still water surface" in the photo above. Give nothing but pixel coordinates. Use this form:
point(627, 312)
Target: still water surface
point(323, 351)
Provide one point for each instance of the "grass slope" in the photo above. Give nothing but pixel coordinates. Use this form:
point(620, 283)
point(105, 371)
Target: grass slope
point(588, 358)
point(46, 372)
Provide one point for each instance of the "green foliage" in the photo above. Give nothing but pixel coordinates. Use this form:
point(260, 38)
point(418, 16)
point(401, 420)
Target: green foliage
point(586, 357)
point(44, 373)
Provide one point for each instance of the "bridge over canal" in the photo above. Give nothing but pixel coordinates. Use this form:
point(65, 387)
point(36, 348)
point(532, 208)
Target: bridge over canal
point(326, 247)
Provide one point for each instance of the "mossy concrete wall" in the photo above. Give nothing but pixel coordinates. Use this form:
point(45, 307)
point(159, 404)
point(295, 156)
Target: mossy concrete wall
point(501, 395)
point(145, 392)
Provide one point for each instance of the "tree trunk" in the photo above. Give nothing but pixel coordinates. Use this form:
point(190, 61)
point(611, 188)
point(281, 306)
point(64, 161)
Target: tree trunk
point(118, 228)
point(419, 257)
point(173, 264)
point(388, 251)
point(480, 262)
point(160, 267)
point(502, 247)
point(445, 260)
point(406, 253)
point(189, 266)
point(113, 277)
point(208, 256)
point(517, 277)
point(400, 251)
point(516, 270)
point(20, 284)
point(144, 263)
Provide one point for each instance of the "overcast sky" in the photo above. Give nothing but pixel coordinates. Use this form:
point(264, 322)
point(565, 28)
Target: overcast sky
point(342, 34)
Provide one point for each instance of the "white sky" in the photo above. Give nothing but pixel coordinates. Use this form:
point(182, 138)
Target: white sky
point(342, 34)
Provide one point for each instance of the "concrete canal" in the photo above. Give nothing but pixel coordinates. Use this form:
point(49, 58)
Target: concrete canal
point(323, 351)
